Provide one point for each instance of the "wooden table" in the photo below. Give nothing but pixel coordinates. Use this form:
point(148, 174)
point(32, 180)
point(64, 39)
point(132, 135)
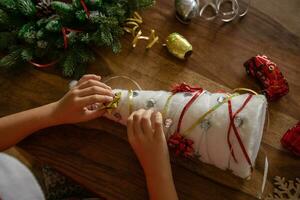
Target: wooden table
point(96, 153)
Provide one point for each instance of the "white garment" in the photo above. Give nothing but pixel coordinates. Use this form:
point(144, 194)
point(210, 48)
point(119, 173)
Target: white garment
point(16, 181)
point(210, 144)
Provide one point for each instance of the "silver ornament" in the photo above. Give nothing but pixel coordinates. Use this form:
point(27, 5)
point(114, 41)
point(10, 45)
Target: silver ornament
point(238, 121)
point(187, 94)
point(205, 124)
point(135, 94)
point(220, 99)
point(186, 10)
point(168, 122)
point(150, 103)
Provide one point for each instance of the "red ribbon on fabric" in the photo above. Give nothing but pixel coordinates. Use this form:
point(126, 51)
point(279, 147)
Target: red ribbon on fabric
point(183, 87)
point(231, 117)
point(43, 65)
point(186, 107)
point(85, 8)
point(178, 141)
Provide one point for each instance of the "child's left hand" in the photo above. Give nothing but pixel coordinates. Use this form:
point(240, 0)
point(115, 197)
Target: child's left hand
point(72, 107)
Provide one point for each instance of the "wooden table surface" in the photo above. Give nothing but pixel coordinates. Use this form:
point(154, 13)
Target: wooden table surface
point(96, 153)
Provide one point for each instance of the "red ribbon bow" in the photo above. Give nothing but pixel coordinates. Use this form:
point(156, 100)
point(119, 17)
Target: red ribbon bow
point(183, 87)
point(182, 145)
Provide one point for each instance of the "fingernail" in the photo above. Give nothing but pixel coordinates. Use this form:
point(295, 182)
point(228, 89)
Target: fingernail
point(110, 98)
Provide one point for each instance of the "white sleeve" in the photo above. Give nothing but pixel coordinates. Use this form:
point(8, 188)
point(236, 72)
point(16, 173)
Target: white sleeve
point(16, 181)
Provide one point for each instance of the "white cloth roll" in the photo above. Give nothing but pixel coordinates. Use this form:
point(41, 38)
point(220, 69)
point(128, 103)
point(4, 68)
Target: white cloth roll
point(210, 138)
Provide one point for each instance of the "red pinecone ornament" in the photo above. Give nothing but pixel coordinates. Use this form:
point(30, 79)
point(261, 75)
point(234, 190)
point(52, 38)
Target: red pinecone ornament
point(181, 145)
point(269, 76)
point(291, 139)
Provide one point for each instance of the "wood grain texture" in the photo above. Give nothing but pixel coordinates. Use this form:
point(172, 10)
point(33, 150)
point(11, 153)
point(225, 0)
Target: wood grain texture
point(104, 162)
point(107, 165)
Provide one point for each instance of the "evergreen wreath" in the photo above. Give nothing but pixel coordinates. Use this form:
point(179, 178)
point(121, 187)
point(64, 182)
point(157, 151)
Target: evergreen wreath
point(45, 32)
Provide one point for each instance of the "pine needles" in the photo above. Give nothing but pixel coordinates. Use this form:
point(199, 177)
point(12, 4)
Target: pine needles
point(40, 31)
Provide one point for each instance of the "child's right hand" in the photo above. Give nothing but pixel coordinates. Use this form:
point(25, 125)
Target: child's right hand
point(147, 138)
point(89, 90)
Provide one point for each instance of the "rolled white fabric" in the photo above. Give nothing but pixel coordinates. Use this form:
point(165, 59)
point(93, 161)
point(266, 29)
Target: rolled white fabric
point(210, 136)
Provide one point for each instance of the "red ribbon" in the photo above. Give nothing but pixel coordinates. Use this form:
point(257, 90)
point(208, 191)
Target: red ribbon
point(186, 107)
point(181, 144)
point(43, 65)
point(65, 31)
point(183, 87)
point(231, 117)
point(85, 8)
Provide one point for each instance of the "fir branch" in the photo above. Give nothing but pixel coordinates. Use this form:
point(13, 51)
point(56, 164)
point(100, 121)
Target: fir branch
point(116, 46)
point(9, 5)
point(62, 8)
point(54, 26)
point(85, 56)
point(27, 54)
point(26, 7)
point(69, 65)
point(12, 59)
point(4, 20)
point(28, 33)
point(39, 38)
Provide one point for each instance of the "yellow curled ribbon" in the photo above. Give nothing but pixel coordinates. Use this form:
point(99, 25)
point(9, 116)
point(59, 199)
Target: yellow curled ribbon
point(113, 104)
point(166, 106)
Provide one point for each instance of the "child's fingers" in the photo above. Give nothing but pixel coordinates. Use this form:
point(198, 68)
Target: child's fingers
point(92, 114)
point(130, 131)
point(90, 83)
point(146, 122)
point(137, 116)
point(96, 98)
point(158, 121)
point(88, 77)
point(94, 90)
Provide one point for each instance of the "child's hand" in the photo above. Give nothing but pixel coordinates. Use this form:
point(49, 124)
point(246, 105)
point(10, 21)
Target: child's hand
point(89, 90)
point(146, 136)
